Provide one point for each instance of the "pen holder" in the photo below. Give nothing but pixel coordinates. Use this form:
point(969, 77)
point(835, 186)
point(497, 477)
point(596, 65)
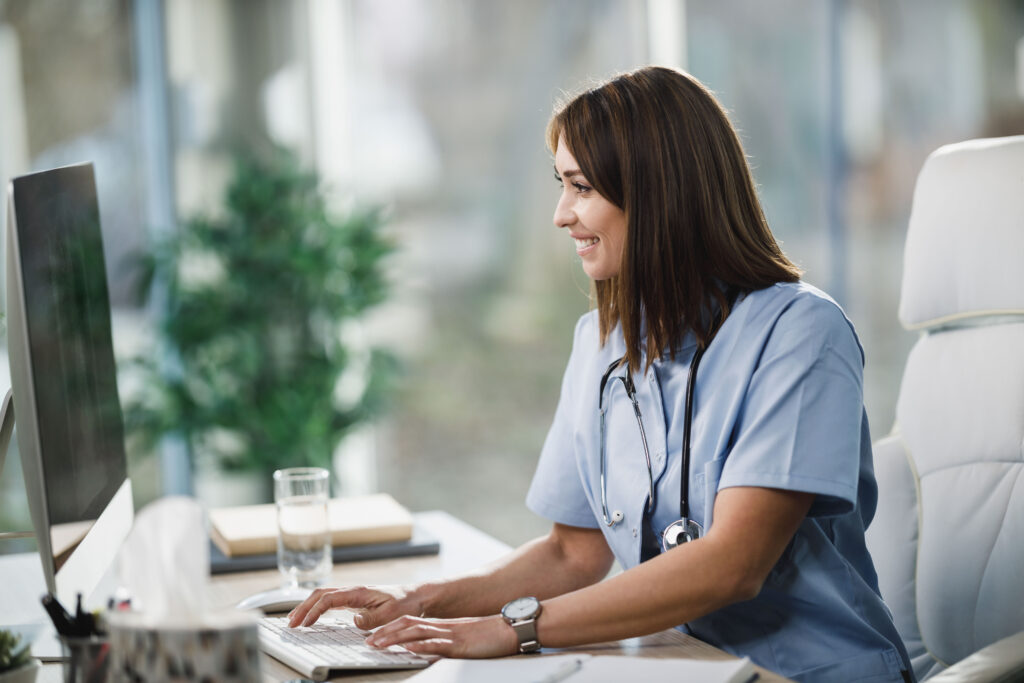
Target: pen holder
point(224, 651)
point(86, 659)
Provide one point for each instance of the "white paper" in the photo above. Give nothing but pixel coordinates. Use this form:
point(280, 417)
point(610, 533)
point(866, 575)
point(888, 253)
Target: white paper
point(651, 670)
point(606, 669)
point(519, 670)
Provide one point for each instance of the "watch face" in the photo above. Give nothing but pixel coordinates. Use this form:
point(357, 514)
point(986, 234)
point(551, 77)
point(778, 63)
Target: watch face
point(521, 608)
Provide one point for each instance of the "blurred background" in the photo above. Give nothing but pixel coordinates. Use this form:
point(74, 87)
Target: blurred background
point(434, 111)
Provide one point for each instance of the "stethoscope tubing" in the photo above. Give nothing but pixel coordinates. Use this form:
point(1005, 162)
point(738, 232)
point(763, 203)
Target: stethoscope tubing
point(684, 483)
point(627, 383)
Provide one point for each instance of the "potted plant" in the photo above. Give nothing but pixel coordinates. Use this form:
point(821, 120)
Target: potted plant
point(16, 663)
point(256, 302)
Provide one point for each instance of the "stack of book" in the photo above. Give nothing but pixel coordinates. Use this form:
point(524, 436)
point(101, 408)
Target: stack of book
point(376, 526)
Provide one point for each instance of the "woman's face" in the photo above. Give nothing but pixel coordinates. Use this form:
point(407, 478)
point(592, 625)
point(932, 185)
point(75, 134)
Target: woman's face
point(597, 226)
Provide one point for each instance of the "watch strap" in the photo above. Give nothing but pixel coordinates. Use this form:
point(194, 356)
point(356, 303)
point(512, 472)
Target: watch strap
point(526, 632)
point(525, 626)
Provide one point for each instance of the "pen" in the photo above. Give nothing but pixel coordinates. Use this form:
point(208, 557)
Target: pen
point(562, 673)
point(62, 621)
point(84, 622)
point(81, 628)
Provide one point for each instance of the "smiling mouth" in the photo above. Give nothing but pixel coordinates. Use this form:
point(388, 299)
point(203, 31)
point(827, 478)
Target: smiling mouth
point(583, 244)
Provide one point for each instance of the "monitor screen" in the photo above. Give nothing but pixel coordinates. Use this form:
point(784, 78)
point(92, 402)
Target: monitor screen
point(67, 411)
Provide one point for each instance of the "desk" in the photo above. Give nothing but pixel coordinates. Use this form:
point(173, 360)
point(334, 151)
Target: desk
point(462, 548)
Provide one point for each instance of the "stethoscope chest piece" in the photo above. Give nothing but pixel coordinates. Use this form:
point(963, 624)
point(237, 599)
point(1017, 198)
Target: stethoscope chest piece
point(679, 532)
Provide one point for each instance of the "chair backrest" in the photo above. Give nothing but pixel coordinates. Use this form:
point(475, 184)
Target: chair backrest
point(948, 535)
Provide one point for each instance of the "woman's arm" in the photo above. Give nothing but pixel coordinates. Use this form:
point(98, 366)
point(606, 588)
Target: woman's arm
point(751, 530)
point(566, 559)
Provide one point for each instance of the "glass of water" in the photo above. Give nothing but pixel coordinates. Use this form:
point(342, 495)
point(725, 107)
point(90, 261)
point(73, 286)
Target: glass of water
point(303, 533)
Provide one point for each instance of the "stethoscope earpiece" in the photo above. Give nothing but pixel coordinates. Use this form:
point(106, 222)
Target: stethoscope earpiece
point(616, 516)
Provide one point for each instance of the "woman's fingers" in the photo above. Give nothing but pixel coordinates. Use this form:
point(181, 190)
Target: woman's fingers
point(352, 598)
point(324, 599)
point(381, 605)
point(404, 629)
point(444, 647)
point(469, 637)
point(372, 617)
point(296, 615)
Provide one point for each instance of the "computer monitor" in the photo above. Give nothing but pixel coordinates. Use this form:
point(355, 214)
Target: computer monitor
point(70, 431)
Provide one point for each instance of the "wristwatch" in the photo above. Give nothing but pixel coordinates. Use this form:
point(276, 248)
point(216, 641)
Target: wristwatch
point(521, 614)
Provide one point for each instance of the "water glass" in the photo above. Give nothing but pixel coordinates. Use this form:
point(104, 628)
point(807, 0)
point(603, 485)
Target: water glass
point(303, 533)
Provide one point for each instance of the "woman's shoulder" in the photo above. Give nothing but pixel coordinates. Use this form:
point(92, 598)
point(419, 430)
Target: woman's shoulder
point(799, 309)
point(587, 322)
point(586, 343)
point(797, 301)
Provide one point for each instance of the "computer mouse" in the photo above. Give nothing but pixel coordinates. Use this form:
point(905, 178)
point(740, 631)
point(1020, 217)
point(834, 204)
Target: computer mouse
point(276, 600)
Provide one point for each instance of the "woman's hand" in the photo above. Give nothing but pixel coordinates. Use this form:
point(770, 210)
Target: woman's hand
point(376, 605)
point(470, 638)
point(399, 610)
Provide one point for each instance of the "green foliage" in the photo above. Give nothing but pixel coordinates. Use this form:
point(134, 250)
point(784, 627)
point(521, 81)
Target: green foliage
point(13, 655)
point(257, 302)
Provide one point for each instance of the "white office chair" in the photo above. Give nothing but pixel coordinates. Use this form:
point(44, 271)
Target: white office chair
point(948, 536)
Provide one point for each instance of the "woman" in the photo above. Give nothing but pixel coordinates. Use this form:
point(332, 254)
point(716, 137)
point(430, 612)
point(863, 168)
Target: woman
point(760, 548)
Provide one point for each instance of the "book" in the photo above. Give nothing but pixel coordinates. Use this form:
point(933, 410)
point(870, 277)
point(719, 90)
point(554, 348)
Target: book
point(586, 668)
point(355, 520)
point(421, 543)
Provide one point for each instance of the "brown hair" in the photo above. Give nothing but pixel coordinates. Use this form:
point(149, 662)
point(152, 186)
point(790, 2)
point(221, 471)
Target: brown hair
point(658, 145)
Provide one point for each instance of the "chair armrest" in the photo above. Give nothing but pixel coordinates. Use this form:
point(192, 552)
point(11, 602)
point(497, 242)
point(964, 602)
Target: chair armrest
point(1002, 661)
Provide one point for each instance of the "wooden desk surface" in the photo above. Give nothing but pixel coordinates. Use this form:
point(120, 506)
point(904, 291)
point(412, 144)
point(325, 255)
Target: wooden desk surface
point(462, 548)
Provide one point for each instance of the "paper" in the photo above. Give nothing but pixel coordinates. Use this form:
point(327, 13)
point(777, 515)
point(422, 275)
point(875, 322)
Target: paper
point(652, 670)
point(520, 670)
point(580, 668)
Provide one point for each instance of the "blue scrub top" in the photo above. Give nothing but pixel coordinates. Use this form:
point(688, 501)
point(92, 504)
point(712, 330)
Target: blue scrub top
point(778, 404)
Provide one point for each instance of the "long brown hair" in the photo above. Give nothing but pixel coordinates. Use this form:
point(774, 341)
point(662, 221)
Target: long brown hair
point(658, 145)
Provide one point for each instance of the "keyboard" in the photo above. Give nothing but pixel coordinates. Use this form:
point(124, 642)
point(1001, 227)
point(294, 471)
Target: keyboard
point(329, 645)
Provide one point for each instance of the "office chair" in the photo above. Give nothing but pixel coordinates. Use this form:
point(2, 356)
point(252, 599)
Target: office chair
point(948, 535)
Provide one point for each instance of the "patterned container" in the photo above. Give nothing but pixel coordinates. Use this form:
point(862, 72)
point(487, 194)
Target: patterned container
point(86, 660)
point(225, 652)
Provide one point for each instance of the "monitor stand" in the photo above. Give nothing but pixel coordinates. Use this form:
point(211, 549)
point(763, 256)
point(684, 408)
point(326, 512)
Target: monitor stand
point(6, 427)
point(23, 573)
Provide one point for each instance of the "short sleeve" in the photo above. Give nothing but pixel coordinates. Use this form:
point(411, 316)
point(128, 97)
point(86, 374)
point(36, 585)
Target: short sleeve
point(557, 492)
point(800, 426)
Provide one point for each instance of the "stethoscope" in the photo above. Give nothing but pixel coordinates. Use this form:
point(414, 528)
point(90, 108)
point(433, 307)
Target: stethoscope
point(683, 529)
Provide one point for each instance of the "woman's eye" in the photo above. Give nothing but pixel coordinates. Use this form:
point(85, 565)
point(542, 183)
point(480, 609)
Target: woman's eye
point(579, 187)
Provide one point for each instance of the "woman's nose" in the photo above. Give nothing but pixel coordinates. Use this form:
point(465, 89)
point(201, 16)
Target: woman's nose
point(564, 215)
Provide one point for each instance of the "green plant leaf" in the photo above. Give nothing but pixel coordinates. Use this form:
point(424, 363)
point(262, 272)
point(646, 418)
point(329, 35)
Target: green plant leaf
point(255, 297)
